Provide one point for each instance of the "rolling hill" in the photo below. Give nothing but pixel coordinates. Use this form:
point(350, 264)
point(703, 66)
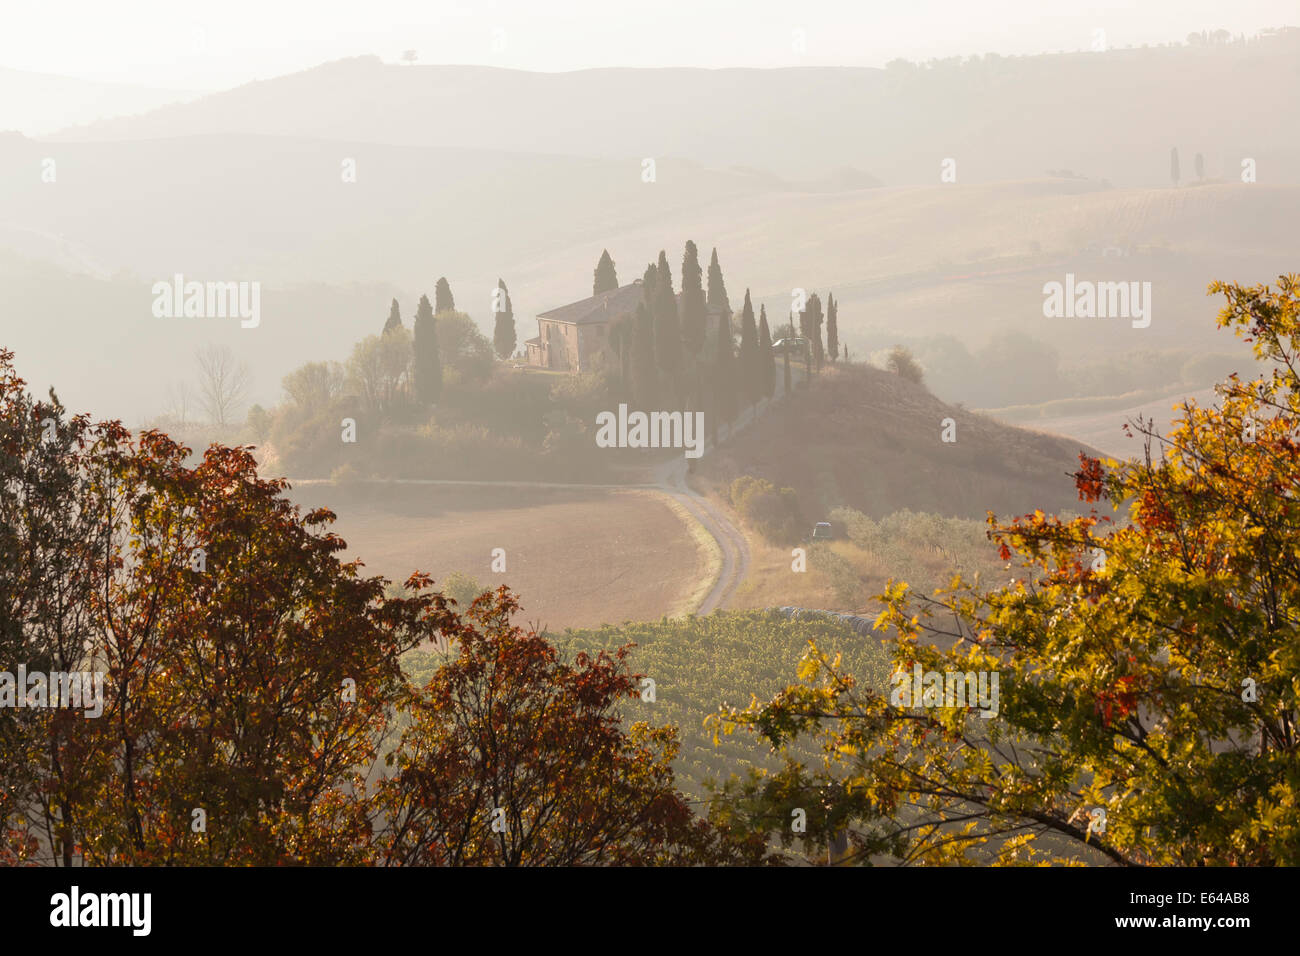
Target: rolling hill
point(1001, 118)
point(867, 439)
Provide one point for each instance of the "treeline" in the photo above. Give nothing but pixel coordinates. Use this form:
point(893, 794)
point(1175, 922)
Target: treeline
point(681, 349)
point(425, 401)
point(431, 400)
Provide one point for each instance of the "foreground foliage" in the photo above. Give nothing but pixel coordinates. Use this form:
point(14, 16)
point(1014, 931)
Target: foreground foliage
point(1149, 685)
point(251, 681)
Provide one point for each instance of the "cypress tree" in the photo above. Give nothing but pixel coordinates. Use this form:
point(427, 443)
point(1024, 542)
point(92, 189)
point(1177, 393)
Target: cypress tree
point(606, 279)
point(621, 334)
point(724, 374)
point(428, 363)
point(668, 333)
point(768, 359)
point(649, 285)
point(442, 298)
point(665, 274)
point(717, 288)
point(749, 377)
point(394, 318)
point(695, 311)
point(832, 327)
point(503, 334)
point(645, 385)
point(810, 327)
point(1173, 165)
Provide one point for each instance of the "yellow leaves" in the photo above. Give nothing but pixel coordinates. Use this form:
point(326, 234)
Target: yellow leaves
point(808, 667)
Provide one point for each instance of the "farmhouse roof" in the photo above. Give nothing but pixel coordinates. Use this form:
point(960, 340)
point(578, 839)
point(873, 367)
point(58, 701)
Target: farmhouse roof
point(604, 307)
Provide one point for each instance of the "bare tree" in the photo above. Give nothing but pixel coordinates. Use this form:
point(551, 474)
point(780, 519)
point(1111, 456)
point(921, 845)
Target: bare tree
point(223, 382)
point(177, 402)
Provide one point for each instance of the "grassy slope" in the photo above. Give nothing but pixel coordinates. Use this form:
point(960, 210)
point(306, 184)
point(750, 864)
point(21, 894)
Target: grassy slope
point(866, 439)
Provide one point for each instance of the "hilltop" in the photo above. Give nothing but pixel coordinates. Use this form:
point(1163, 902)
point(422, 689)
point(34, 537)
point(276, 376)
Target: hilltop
point(999, 117)
point(866, 439)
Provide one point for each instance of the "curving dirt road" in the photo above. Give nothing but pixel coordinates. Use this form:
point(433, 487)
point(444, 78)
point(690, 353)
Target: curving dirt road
point(670, 478)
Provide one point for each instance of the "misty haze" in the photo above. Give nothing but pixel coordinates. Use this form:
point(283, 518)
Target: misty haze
point(602, 423)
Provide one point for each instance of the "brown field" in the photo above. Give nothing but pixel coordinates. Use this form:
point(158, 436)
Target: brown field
point(576, 557)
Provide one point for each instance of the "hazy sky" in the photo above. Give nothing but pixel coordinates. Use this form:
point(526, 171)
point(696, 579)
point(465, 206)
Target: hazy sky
point(221, 43)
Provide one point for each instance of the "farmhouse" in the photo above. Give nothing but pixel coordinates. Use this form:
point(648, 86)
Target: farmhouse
point(576, 337)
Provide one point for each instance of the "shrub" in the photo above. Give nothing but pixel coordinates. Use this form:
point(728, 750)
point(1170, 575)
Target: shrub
point(772, 513)
point(902, 364)
point(461, 588)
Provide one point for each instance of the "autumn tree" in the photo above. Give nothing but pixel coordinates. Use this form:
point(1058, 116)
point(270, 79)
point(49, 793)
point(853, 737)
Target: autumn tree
point(314, 385)
point(379, 371)
point(517, 757)
point(245, 669)
point(51, 571)
point(251, 680)
point(1147, 709)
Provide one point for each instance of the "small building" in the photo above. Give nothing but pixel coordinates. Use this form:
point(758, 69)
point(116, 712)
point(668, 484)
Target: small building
point(576, 337)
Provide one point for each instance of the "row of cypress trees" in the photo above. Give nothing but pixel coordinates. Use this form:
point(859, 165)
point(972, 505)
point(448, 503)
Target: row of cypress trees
point(810, 328)
point(674, 354)
point(668, 355)
point(427, 365)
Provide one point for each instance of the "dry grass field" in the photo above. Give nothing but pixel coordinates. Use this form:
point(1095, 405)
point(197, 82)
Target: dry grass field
point(868, 439)
point(576, 557)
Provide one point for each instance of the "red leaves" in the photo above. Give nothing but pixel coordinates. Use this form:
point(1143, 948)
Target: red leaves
point(1115, 705)
point(1089, 479)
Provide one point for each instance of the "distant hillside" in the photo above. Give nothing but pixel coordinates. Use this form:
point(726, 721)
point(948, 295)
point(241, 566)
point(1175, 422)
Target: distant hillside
point(999, 117)
point(1104, 427)
point(907, 263)
point(869, 440)
point(41, 103)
